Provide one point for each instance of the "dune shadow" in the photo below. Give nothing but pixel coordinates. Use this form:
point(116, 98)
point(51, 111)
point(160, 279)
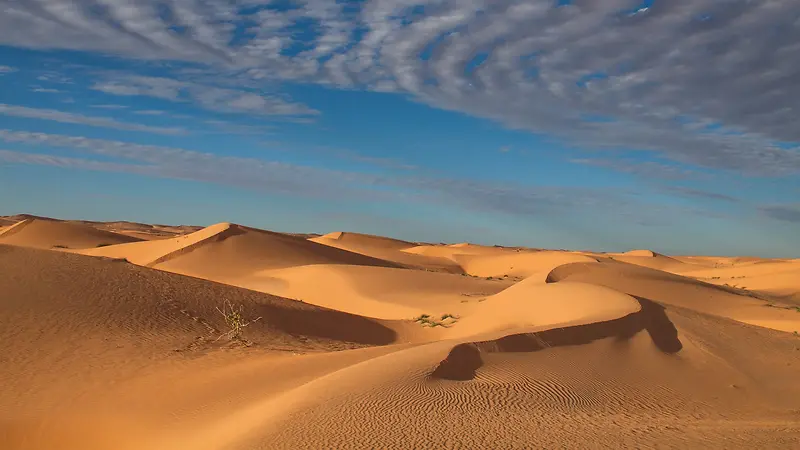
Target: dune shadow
point(327, 324)
point(465, 359)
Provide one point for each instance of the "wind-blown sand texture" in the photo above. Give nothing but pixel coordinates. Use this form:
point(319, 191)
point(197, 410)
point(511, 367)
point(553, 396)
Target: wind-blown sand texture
point(371, 342)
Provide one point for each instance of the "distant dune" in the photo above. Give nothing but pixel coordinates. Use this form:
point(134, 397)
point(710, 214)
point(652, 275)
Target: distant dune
point(388, 250)
point(113, 336)
point(366, 240)
point(46, 233)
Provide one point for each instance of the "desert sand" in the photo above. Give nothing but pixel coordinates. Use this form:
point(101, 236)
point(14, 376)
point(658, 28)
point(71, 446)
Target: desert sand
point(112, 337)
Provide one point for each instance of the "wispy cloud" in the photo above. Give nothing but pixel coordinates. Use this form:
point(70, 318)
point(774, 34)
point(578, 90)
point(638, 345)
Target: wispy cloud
point(55, 78)
point(80, 119)
point(109, 106)
point(644, 169)
point(171, 162)
point(7, 69)
point(149, 112)
point(701, 194)
point(45, 90)
point(521, 201)
point(786, 213)
point(206, 96)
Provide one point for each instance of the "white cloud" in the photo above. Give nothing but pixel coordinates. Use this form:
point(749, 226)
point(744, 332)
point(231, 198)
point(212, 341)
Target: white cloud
point(521, 201)
point(45, 90)
point(149, 112)
point(171, 162)
point(7, 69)
point(80, 119)
point(109, 106)
point(209, 97)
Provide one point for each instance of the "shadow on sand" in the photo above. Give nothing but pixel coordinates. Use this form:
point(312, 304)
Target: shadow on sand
point(465, 359)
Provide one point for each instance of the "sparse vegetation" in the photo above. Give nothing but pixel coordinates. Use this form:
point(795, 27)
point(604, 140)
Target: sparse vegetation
point(235, 320)
point(60, 246)
point(445, 321)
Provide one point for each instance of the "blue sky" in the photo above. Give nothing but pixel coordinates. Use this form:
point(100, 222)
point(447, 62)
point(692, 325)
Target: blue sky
point(605, 125)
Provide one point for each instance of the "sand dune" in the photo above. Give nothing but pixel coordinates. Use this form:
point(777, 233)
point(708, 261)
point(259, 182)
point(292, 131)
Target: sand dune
point(368, 342)
point(670, 289)
point(652, 378)
point(517, 264)
point(451, 251)
point(365, 240)
point(46, 233)
point(530, 304)
point(388, 250)
point(88, 322)
point(651, 259)
point(225, 251)
point(380, 292)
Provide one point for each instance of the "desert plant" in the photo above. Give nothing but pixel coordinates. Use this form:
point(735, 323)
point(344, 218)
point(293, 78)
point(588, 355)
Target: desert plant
point(60, 246)
point(427, 321)
point(234, 320)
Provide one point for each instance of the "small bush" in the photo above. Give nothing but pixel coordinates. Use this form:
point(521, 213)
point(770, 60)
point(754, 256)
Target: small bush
point(235, 321)
point(60, 246)
point(427, 321)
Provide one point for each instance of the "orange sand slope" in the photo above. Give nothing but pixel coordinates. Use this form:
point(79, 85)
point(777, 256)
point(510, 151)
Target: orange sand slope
point(387, 249)
point(514, 348)
point(48, 233)
point(379, 292)
point(227, 252)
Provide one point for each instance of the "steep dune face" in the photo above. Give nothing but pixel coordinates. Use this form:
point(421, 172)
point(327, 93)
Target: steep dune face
point(46, 233)
point(72, 326)
point(531, 304)
point(652, 378)
point(239, 252)
point(364, 240)
point(780, 278)
point(380, 292)
point(388, 250)
point(517, 264)
point(680, 291)
point(225, 251)
point(451, 251)
point(651, 259)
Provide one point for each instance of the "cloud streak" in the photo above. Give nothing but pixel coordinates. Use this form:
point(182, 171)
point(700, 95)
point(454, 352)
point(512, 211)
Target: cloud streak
point(519, 201)
point(785, 213)
point(80, 119)
point(212, 98)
